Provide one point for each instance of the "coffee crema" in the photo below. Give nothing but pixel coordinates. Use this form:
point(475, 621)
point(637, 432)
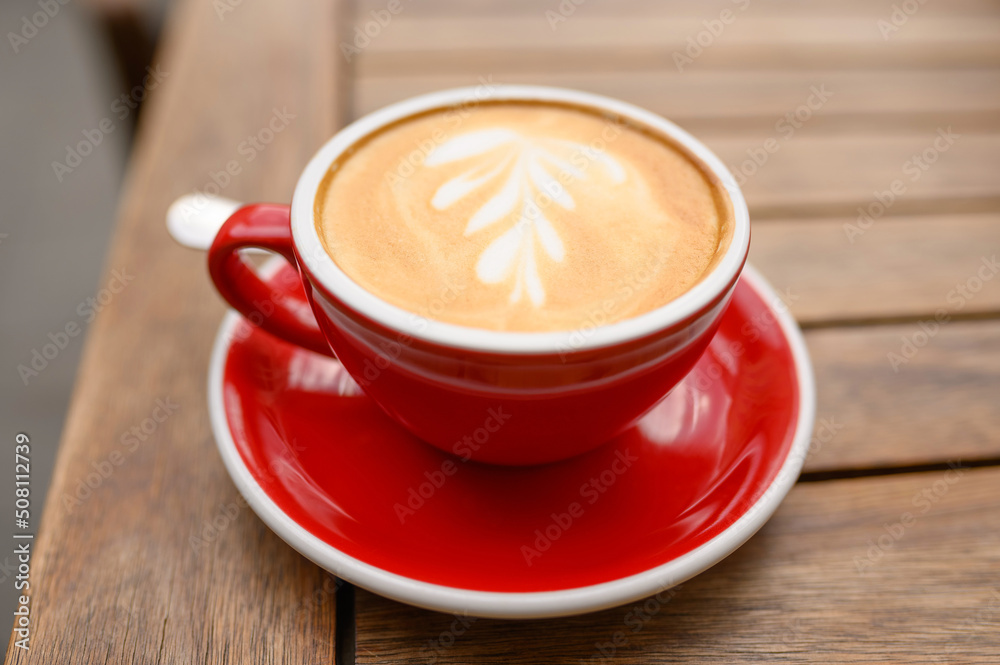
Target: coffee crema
point(522, 216)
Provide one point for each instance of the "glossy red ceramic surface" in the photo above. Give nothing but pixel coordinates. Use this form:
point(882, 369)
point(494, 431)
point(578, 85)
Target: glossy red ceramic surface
point(340, 468)
point(563, 398)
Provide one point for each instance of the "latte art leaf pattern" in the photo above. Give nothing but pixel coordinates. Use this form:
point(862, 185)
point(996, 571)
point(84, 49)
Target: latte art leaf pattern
point(533, 171)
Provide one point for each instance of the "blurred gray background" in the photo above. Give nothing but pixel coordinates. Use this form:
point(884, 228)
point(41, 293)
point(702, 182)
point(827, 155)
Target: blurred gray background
point(53, 235)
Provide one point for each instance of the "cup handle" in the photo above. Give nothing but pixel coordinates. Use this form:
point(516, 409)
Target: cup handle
point(264, 226)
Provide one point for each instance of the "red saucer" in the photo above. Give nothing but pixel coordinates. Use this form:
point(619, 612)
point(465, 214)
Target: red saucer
point(352, 490)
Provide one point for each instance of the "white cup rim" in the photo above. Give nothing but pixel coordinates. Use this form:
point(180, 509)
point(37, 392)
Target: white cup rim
point(321, 266)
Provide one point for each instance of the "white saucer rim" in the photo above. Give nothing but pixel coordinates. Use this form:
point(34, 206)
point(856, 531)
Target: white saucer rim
point(534, 604)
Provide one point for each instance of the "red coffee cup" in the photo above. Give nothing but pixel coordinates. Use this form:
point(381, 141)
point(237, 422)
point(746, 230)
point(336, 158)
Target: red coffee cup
point(499, 397)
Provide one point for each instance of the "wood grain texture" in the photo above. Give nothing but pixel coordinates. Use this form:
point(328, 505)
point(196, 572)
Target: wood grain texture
point(529, 43)
point(871, 9)
point(812, 174)
point(813, 586)
point(723, 101)
point(159, 560)
point(897, 267)
point(930, 403)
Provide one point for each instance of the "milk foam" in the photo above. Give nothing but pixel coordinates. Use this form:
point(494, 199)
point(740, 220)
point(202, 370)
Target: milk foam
point(521, 217)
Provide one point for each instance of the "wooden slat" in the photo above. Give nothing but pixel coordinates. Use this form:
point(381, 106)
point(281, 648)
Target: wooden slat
point(482, 45)
point(834, 175)
point(581, 33)
point(934, 402)
point(803, 590)
point(117, 577)
point(713, 101)
point(816, 168)
point(873, 9)
point(840, 270)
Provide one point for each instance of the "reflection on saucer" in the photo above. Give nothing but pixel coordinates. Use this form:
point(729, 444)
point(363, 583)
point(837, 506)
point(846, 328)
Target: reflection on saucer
point(355, 492)
point(314, 373)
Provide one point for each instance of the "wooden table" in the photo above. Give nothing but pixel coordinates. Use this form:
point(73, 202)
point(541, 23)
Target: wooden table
point(833, 577)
